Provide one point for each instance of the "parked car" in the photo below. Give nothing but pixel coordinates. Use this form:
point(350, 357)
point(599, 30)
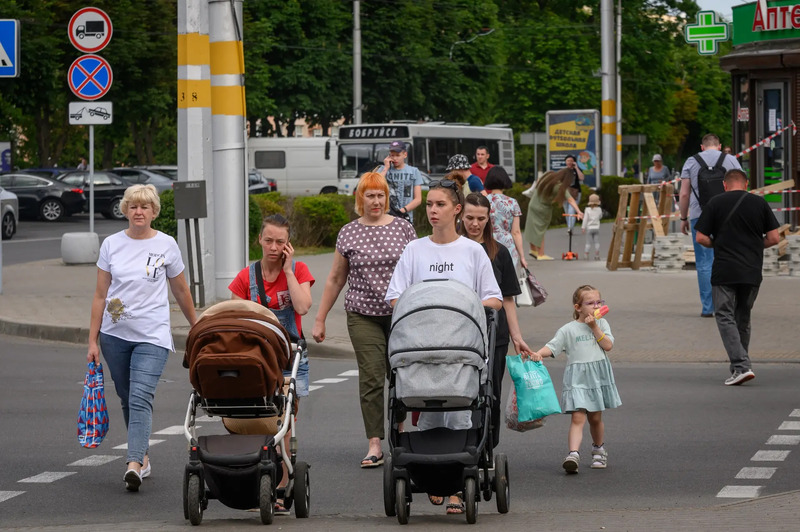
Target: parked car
point(44, 197)
point(108, 191)
point(145, 177)
point(258, 184)
point(169, 170)
point(9, 210)
point(46, 172)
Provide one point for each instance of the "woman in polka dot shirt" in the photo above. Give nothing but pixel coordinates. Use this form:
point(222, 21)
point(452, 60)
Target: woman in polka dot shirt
point(367, 251)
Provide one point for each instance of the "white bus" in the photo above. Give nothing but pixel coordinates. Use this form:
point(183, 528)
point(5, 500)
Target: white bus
point(430, 145)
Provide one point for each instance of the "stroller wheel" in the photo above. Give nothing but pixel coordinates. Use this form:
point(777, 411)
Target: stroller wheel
point(388, 487)
point(194, 499)
point(403, 505)
point(501, 484)
point(266, 504)
point(302, 490)
point(471, 500)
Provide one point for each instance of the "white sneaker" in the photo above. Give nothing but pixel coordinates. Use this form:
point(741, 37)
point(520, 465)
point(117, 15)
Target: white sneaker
point(599, 458)
point(571, 462)
point(145, 472)
point(738, 378)
point(133, 479)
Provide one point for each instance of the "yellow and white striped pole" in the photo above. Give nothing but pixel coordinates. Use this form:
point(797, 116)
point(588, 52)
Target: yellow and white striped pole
point(228, 140)
point(608, 107)
point(194, 123)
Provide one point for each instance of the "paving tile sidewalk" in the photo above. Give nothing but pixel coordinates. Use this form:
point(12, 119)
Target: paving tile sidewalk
point(655, 317)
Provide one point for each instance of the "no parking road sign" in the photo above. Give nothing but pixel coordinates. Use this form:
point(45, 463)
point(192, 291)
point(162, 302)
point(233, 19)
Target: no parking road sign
point(90, 77)
point(90, 29)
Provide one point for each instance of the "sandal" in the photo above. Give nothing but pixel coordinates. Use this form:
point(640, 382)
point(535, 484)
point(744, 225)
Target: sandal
point(280, 509)
point(372, 461)
point(455, 507)
point(436, 500)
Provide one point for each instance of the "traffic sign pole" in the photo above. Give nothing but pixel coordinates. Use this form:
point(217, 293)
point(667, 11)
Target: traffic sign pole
point(91, 179)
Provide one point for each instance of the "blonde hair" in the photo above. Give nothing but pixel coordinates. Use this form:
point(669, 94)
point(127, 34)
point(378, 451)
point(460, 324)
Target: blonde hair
point(140, 195)
point(370, 181)
point(577, 297)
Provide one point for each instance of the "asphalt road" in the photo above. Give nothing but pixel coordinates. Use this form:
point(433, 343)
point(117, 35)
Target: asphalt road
point(679, 438)
point(39, 240)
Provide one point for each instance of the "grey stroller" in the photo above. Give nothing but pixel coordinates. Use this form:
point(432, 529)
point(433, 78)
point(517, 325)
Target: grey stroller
point(441, 346)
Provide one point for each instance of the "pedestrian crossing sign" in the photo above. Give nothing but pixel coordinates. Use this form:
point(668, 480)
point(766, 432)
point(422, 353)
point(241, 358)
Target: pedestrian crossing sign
point(9, 48)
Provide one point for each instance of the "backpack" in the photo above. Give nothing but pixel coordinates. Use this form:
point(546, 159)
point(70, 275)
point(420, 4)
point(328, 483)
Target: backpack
point(709, 179)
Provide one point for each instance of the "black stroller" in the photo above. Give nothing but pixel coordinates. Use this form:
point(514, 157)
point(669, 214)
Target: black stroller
point(441, 359)
point(235, 354)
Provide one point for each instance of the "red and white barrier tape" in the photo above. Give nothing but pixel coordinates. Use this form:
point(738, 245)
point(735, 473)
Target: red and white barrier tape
point(677, 214)
point(767, 139)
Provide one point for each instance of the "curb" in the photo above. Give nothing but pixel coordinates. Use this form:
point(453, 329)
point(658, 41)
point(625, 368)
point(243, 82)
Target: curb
point(80, 335)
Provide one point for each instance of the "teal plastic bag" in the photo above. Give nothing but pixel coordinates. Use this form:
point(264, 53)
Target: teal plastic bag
point(536, 397)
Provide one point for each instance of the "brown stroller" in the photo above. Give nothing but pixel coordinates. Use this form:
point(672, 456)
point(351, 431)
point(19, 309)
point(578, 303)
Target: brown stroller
point(235, 354)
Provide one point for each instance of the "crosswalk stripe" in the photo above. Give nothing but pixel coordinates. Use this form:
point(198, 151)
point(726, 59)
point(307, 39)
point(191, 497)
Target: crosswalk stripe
point(790, 425)
point(756, 472)
point(96, 460)
point(125, 445)
point(312, 388)
point(349, 373)
point(173, 430)
point(783, 439)
point(795, 413)
point(47, 477)
point(329, 381)
point(770, 456)
point(5, 495)
point(740, 492)
point(207, 419)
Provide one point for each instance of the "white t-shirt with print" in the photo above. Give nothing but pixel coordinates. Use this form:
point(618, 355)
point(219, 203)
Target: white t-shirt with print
point(137, 306)
point(462, 260)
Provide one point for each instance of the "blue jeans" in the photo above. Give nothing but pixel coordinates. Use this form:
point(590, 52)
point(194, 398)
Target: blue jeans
point(568, 209)
point(703, 260)
point(135, 368)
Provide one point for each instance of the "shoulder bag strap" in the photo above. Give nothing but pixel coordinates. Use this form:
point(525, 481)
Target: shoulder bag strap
point(260, 284)
point(702, 163)
point(735, 206)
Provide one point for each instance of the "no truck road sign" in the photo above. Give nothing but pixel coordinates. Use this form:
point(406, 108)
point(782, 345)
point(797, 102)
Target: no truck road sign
point(90, 29)
point(90, 77)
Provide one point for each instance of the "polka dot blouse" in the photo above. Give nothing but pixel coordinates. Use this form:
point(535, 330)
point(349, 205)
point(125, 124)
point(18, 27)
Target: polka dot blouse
point(372, 251)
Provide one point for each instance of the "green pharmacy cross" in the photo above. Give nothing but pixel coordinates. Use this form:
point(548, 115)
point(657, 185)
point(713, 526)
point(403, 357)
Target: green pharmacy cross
point(707, 33)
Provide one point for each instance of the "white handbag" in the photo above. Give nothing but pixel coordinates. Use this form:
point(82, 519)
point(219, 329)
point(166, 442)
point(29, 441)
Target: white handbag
point(525, 299)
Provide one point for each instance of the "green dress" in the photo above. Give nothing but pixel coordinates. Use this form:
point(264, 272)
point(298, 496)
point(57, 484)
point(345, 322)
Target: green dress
point(539, 214)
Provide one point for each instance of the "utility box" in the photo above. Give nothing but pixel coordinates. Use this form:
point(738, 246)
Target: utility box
point(190, 199)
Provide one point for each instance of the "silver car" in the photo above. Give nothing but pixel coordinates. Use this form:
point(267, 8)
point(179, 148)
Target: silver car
point(9, 210)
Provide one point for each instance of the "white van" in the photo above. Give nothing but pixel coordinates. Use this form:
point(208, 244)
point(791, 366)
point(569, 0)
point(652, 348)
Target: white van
point(299, 166)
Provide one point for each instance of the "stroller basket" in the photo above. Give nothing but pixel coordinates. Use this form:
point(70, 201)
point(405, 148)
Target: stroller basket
point(438, 345)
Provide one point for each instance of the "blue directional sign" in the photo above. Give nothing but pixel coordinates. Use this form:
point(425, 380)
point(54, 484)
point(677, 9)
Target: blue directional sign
point(9, 48)
point(90, 77)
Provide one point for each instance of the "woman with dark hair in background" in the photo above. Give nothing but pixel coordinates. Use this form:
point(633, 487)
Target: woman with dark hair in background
point(548, 190)
point(505, 215)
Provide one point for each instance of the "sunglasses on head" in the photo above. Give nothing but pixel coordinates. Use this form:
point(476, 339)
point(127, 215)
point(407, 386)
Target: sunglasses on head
point(443, 183)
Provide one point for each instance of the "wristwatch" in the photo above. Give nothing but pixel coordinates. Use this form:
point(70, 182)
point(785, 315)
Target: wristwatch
point(685, 219)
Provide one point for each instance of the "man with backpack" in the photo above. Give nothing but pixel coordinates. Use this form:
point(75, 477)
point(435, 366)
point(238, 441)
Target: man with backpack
point(701, 180)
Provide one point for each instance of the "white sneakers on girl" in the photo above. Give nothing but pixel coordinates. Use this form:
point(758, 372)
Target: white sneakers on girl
point(133, 479)
point(599, 458)
point(571, 462)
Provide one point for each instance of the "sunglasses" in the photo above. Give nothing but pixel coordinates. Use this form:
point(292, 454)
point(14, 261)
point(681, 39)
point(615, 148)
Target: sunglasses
point(443, 183)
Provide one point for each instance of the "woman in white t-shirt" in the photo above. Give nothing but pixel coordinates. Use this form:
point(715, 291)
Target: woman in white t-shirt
point(130, 317)
point(445, 255)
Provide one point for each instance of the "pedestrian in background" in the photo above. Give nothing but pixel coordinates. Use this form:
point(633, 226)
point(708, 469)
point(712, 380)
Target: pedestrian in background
point(130, 317)
point(405, 182)
point(549, 189)
point(591, 226)
point(691, 209)
point(739, 226)
point(458, 168)
point(481, 165)
point(657, 174)
point(82, 164)
point(589, 385)
point(505, 215)
point(367, 250)
point(574, 190)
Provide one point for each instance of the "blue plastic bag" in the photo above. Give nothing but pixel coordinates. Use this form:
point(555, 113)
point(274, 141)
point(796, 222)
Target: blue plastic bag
point(536, 397)
point(93, 414)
